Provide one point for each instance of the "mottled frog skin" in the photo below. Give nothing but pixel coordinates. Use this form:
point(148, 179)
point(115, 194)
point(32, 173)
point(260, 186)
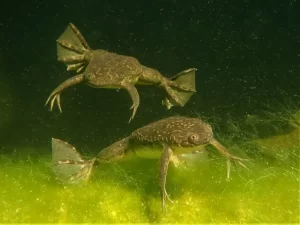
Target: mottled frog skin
point(103, 69)
point(177, 135)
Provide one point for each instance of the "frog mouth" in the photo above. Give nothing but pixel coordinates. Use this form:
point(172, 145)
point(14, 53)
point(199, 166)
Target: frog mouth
point(118, 87)
point(193, 149)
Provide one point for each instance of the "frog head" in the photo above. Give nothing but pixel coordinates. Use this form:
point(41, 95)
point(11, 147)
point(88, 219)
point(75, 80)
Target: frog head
point(197, 135)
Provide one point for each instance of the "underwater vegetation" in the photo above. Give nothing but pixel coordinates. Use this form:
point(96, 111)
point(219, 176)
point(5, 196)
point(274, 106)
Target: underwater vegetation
point(127, 192)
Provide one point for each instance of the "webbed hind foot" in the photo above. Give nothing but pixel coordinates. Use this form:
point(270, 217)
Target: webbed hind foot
point(184, 80)
point(68, 165)
point(72, 49)
point(180, 88)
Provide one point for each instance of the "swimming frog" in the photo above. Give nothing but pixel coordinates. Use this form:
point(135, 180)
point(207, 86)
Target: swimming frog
point(176, 135)
point(102, 69)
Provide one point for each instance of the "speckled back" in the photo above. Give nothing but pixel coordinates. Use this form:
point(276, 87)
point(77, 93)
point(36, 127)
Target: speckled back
point(175, 130)
point(109, 67)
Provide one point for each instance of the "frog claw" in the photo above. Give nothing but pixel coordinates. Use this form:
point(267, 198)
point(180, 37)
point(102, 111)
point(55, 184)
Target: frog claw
point(229, 157)
point(57, 98)
point(236, 161)
point(168, 197)
point(55, 95)
point(164, 197)
point(134, 108)
point(241, 164)
point(134, 97)
point(54, 98)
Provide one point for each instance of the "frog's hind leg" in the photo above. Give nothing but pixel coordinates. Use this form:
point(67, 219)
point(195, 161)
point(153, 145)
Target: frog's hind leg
point(180, 88)
point(68, 165)
point(118, 151)
point(72, 49)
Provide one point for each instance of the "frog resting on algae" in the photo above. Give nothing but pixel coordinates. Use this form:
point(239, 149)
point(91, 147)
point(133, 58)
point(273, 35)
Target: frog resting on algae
point(102, 69)
point(176, 135)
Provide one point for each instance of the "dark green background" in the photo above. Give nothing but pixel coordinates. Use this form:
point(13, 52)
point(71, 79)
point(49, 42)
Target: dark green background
point(246, 53)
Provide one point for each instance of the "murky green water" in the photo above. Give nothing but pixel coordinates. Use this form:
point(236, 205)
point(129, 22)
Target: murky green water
point(268, 192)
point(248, 68)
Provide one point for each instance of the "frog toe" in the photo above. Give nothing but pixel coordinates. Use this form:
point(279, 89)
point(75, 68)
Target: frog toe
point(134, 97)
point(168, 197)
point(134, 108)
point(165, 196)
point(58, 102)
point(55, 98)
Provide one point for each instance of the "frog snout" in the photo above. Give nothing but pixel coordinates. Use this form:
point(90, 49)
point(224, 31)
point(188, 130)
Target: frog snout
point(209, 132)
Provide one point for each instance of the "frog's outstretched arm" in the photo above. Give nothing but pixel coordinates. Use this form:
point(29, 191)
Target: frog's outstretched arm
point(223, 151)
point(55, 95)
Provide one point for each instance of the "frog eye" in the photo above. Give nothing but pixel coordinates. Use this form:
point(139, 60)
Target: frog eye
point(194, 138)
point(90, 76)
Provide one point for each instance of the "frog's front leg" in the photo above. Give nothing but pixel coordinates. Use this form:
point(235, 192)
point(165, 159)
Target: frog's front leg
point(55, 95)
point(163, 170)
point(229, 157)
point(134, 97)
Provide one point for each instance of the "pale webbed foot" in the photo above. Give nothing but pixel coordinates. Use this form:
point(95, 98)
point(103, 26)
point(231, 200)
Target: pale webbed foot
point(73, 50)
point(184, 81)
point(179, 88)
point(176, 98)
point(68, 165)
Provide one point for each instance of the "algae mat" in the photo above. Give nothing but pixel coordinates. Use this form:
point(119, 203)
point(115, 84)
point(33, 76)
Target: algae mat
point(128, 192)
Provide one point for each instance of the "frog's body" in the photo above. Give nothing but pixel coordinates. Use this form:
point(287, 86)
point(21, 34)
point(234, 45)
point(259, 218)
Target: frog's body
point(103, 69)
point(178, 135)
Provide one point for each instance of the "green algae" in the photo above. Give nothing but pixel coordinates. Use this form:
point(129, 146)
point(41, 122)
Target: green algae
point(128, 192)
